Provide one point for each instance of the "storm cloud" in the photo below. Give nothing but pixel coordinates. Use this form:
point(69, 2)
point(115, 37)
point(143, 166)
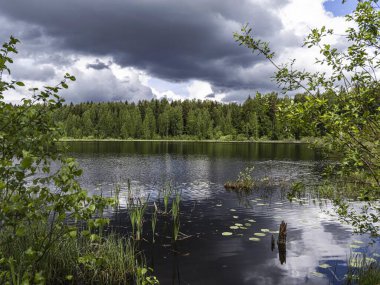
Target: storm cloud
point(172, 40)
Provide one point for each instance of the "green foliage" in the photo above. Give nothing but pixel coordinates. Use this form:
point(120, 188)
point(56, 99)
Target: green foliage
point(258, 117)
point(347, 114)
point(37, 198)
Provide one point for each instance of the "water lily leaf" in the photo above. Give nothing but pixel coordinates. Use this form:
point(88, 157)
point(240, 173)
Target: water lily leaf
point(235, 217)
point(247, 224)
point(226, 234)
point(252, 221)
point(265, 230)
point(317, 274)
point(259, 234)
point(254, 239)
point(324, 265)
point(243, 228)
point(232, 210)
point(234, 227)
point(238, 225)
point(219, 205)
point(273, 232)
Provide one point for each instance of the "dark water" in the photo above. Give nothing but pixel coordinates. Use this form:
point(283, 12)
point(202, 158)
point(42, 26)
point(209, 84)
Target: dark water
point(318, 246)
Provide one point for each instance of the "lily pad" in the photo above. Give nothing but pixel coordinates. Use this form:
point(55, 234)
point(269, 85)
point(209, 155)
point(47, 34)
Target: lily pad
point(235, 217)
point(317, 274)
point(232, 210)
point(252, 221)
point(265, 230)
point(247, 224)
point(238, 225)
point(273, 232)
point(259, 234)
point(324, 265)
point(226, 234)
point(243, 228)
point(254, 239)
point(219, 205)
point(234, 227)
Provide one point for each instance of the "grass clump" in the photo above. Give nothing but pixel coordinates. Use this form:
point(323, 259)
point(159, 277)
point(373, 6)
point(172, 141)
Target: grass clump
point(243, 182)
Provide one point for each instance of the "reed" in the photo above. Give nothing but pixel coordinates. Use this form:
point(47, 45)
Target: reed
point(154, 221)
point(176, 214)
point(167, 192)
point(136, 214)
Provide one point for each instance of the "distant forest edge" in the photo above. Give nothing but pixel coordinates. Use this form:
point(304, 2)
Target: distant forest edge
point(262, 117)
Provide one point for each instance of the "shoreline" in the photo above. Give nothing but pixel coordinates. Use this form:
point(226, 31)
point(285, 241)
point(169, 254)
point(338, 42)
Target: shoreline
point(182, 140)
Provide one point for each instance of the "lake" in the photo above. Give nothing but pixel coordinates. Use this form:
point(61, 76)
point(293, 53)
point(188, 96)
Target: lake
point(318, 245)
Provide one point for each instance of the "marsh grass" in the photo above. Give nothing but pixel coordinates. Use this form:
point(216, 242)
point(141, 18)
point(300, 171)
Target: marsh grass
point(363, 270)
point(71, 259)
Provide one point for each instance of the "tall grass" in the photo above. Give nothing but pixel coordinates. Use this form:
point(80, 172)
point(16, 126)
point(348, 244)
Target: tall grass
point(109, 260)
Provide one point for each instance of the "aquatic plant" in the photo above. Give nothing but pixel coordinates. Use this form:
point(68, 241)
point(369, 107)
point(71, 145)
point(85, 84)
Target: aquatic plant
point(167, 192)
point(136, 213)
point(154, 221)
point(363, 270)
point(176, 214)
point(243, 182)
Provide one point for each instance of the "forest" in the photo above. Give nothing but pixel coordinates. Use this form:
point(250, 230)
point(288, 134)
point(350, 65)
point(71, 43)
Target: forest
point(259, 117)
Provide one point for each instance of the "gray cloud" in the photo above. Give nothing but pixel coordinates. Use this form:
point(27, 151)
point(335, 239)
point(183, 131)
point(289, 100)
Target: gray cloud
point(99, 65)
point(169, 39)
point(102, 85)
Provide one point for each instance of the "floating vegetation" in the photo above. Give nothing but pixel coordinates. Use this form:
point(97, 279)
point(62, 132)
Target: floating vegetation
point(218, 205)
point(317, 274)
point(354, 246)
point(254, 239)
point(235, 217)
point(226, 234)
point(247, 224)
point(234, 227)
point(232, 210)
point(265, 230)
point(244, 182)
point(251, 221)
point(259, 234)
point(324, 265)
point(238, 225)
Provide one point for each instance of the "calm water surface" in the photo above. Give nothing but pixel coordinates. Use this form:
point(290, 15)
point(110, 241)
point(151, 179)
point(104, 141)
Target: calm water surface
point(203, 255)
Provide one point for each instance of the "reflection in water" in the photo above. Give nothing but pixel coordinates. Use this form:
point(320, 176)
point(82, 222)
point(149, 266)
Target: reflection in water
point(199, 171)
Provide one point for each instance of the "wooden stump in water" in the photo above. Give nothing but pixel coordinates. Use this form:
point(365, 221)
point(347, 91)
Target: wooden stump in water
point(281, 242)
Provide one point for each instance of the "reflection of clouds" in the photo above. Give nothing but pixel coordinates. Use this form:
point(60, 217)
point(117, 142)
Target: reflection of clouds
point(314, 237)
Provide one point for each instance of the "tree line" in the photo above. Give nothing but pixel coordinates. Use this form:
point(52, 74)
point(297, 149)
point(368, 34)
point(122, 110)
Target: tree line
point(258, 117)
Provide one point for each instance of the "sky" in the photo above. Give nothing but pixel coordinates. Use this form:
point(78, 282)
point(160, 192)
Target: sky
point(130, 50)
